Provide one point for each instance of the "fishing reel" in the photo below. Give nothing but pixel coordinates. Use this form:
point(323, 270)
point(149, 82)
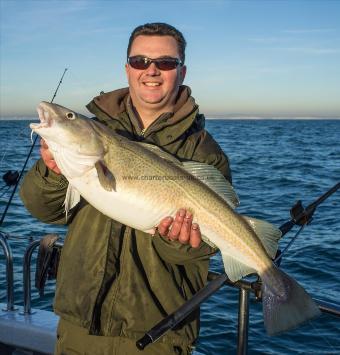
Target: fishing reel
point(11, 177)
point(300, 215)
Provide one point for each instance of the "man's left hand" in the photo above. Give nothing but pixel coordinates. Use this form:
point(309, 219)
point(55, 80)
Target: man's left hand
point(181, 228)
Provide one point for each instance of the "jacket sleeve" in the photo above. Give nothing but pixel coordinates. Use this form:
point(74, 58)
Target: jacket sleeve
point(43, 193)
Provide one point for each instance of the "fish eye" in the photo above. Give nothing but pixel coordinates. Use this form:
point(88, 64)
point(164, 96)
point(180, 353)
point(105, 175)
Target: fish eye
point(71, 115)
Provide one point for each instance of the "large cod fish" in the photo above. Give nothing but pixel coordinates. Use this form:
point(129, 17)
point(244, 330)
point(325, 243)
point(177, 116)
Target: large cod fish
point(138, 185)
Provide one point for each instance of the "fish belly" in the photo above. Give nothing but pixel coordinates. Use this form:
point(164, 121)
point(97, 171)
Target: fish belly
point(121, 205)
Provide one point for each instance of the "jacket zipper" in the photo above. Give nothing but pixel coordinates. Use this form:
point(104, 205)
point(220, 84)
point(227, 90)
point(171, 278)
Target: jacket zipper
point(150, 128)
point(95, 328)
point(142, 133)
point(125, 245)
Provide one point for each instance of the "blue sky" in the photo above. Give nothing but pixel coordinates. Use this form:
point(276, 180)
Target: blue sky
point(244, 58)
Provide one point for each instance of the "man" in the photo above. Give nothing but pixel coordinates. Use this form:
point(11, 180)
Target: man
point(114, 283)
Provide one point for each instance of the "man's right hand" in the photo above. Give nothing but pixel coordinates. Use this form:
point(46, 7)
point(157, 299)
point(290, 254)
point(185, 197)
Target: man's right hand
point(47, 157)
point(181, 228)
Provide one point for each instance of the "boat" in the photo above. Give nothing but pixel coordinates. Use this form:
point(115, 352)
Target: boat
point(30, 331)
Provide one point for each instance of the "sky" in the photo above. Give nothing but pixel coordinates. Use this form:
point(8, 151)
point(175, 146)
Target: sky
point(271, 58)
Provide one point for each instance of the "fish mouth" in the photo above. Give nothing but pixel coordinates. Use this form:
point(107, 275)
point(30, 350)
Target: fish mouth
point(45, 119)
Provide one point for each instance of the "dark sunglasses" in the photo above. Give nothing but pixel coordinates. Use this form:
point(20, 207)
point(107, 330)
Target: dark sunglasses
point(141, 63)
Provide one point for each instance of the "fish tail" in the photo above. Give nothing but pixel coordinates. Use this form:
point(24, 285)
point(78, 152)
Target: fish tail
point(285, 303)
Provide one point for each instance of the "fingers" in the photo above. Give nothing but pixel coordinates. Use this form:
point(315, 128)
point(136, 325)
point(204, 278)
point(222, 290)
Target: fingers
point(164, 225)
point(48, 157)
point(181, 228)
point(184, 235)
point(177, 224)
point(195, 236)
point(53, 166)
point(44, 151)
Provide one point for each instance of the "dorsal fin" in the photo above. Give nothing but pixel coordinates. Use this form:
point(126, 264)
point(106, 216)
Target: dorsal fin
point(213, 178)
point(160, 152)
point(206, 173)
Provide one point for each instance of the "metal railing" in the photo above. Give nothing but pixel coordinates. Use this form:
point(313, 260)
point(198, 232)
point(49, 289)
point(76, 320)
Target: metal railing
point(245, 287)
point(27, 309)
point(9, 271)
point(27, 276)
point(243, 321)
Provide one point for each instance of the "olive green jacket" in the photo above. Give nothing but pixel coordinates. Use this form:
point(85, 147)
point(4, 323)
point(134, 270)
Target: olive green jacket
point(113, 280)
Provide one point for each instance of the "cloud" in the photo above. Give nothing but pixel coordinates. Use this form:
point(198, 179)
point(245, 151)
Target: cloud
point(309, 31)
point(298, 41)
point(310, 50)
point(267, 40)
point(54, 9)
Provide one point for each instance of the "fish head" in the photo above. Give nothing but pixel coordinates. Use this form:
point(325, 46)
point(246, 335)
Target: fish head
point(62, 127)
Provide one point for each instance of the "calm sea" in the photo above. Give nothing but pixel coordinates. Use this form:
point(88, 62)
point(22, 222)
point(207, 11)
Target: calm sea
point(274, 164)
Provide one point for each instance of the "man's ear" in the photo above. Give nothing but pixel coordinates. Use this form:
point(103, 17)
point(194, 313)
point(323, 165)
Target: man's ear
point(183, 71)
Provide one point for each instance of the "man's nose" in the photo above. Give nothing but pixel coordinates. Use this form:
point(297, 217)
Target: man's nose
point(152, 70)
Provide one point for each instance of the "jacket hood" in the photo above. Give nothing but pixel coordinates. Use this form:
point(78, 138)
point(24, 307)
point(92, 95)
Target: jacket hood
point(113, 105)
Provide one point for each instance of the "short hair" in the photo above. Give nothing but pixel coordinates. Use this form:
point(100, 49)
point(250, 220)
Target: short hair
point(159, 29)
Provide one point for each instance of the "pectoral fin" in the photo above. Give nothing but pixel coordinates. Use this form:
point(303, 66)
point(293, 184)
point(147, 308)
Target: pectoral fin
point(235, 269)
point(106, 178)
point(72, 198)
point(269, 236)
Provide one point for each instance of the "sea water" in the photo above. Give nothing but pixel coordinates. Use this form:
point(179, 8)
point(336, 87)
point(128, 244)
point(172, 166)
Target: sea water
point(274, 163)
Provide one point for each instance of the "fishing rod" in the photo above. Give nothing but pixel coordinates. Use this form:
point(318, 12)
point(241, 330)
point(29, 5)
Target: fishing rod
point(299, 216)
point(302, 217)
point(27, 158)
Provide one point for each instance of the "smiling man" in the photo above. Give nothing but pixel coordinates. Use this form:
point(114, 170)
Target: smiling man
point(155, 72)
point(115, 283)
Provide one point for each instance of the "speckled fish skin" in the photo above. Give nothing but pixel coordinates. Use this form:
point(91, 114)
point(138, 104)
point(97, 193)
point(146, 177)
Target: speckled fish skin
point(147, 188)
point(145, 182)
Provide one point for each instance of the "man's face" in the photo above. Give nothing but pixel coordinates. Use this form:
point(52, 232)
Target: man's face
point(153, 88)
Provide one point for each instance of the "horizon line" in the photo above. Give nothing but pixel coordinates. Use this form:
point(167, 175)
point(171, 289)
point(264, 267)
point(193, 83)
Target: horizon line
point(210, 117)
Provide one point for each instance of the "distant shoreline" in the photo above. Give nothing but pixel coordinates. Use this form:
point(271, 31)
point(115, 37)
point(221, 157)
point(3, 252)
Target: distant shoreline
point(245, 118)
point(272, 118)
point(19, 119)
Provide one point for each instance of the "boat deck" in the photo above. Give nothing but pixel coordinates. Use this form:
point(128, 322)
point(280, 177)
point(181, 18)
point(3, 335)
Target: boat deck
point(27, 334)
